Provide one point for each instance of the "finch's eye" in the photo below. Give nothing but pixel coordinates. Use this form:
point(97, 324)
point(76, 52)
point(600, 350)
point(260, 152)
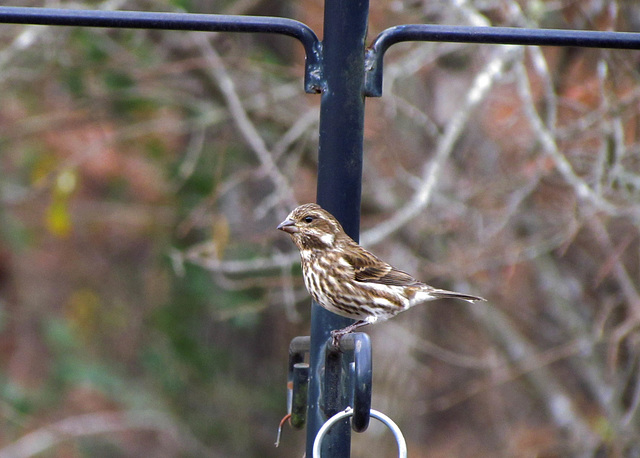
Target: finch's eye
point(308, 219)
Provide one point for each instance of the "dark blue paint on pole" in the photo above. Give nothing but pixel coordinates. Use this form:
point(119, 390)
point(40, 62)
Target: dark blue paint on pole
point(339, 179)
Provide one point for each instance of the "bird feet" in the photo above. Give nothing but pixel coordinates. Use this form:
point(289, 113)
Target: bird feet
point(338, 334)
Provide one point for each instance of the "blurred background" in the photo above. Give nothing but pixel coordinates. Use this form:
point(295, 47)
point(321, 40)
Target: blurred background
point(147, 301)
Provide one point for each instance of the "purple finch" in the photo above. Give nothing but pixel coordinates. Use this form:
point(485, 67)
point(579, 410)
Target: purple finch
point(348, 280)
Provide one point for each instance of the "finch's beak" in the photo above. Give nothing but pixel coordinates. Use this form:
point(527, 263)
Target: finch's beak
point(288, 226)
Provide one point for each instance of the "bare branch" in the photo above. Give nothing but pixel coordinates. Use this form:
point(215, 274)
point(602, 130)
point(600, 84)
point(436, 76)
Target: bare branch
point(432, 170)
point(203, 256)
point(246, 127)
point(557, 400)
point(91, 424)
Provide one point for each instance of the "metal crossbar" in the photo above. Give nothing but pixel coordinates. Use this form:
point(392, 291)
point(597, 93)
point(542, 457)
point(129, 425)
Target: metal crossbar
point(314, 78)
point(486, 35)
point(178, 21)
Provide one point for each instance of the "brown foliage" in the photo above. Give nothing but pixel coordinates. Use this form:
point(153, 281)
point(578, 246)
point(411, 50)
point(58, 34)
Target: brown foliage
point(132, 157)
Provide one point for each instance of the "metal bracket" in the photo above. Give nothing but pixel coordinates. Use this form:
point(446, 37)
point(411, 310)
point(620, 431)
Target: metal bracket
point(348, 372)
point(347, 379)
point(298, 381)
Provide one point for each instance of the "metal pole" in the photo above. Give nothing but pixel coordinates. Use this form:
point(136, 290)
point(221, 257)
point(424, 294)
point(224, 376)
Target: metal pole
point(339, 180)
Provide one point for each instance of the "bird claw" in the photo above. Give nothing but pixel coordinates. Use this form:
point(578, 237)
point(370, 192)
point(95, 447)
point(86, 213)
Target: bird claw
point(336, 336)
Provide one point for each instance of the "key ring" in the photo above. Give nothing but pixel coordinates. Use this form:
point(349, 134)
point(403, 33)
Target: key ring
point(402, 444)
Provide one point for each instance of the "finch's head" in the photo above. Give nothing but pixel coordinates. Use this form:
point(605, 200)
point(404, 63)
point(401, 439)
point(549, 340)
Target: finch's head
point(310, 226)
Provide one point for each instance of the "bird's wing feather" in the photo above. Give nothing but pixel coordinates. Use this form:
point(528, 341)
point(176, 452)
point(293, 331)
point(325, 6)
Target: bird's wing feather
point(392, 277)
point(369, 269)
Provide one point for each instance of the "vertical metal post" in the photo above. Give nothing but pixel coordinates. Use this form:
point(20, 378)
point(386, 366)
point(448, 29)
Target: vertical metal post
point(339, 179)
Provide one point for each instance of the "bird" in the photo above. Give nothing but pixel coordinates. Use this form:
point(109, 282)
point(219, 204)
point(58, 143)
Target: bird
point(346, 279)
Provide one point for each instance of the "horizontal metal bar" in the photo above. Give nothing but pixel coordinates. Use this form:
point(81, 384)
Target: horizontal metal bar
point(505, 35)
point(486, 35)
point(177, 21)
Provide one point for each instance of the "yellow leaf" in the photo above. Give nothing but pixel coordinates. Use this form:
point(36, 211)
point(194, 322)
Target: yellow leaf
point(58, 218)
point(220, 235)
point(42, 168)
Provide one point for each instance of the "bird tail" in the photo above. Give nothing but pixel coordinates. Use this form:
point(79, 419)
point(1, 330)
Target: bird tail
point(443, 293)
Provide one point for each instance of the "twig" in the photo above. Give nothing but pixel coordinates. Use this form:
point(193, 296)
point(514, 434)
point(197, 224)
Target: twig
point(200, 255)
point(70, 428)
point(550, 147)
point(620, 273)
point(432, 170)
point(436, 351)
point(246, 127)
point(521, 352)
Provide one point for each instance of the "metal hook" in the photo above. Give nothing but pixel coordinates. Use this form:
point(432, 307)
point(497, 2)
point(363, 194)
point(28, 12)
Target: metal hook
point(298, 382)
point(353, 379)
point(402, 444)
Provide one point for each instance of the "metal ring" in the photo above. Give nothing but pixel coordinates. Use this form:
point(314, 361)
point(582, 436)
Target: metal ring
point(402, 444)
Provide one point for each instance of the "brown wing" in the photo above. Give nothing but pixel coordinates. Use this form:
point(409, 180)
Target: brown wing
point(369, 269)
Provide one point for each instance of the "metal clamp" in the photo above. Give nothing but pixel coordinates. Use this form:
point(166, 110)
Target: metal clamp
point(402, 444)
point(298, 382)
point(348, 378)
